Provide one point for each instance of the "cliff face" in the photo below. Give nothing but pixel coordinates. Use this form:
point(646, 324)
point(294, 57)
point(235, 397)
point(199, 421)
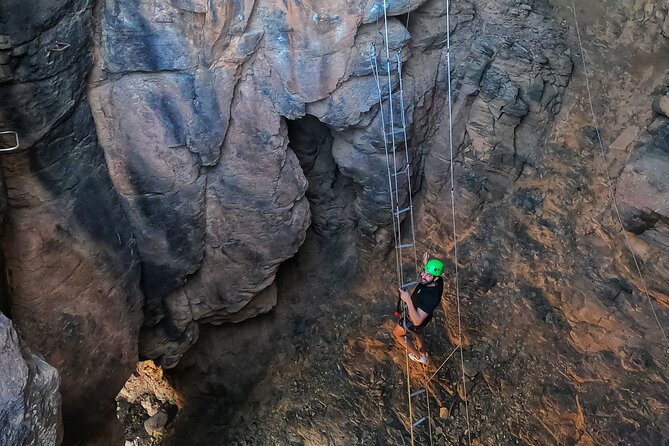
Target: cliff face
point(72, 266)
point(222, 130)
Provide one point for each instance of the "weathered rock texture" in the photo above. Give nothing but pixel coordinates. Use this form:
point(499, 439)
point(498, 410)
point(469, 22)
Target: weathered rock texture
point(642, 194)
point(226, 128)
point(561, 344)
point(191, 101)
point(29, 399)
point(223, 204)
point(71, 260)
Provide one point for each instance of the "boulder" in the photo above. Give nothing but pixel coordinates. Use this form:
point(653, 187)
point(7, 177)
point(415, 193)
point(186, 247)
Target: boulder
point(30, 403)
point(662, 105)
point(257, 214)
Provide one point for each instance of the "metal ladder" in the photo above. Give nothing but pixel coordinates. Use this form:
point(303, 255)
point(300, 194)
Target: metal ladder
point(399, 184)
point(401, 180)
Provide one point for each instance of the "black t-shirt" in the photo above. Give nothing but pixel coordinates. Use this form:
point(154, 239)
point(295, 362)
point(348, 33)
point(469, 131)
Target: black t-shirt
point(427, 298)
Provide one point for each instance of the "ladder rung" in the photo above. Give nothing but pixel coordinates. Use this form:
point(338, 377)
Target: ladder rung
point(419, 421)
point(402, 211)
point(400, 172)
point(417, 392)
point(406, 245)
point(408, 284)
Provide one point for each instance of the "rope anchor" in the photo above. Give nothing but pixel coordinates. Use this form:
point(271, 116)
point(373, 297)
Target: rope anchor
point(59, 46)
point(14, 146)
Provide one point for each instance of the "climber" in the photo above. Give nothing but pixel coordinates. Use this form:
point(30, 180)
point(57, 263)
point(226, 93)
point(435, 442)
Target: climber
point(420, 305)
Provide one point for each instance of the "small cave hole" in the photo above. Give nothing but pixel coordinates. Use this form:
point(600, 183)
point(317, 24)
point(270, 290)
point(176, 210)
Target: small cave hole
point(147, 405)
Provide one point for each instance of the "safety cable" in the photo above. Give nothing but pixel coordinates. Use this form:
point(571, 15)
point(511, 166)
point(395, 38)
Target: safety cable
point(610, 180)
point(396, 212)
point(375, 71)
point(407, 166)
point(455, 234)
point(443, 363)
point(390, 144)
point(398, 264)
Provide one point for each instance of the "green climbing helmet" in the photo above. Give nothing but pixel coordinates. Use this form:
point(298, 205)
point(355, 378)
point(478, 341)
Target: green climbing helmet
point(434, 267)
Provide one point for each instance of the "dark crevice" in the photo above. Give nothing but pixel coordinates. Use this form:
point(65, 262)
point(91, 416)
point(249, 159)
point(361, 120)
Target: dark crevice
point(404, 19)
point(330, 192)
point(5, 306)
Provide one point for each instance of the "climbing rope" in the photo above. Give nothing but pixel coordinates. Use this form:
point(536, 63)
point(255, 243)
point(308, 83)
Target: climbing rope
point(396, 232)
point(375, 72)
point(407, 166)
point(609, 180)
point(455, 234)
point(396, 209)
point(393, 180)
point(390, 147)
point(443, 363)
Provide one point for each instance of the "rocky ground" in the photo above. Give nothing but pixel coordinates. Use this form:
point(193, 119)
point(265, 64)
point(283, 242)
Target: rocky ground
point(147, 405)
point(330, 373)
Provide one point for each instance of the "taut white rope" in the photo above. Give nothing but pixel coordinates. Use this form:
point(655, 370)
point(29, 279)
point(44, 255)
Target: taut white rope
point(455, 234)
point(609, 180)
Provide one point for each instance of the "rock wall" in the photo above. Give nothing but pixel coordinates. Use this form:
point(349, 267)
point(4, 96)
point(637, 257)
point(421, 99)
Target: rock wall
point(561, 346)
point(548, 283)
point(191, 101)
point(71, 261)
point(642, 195)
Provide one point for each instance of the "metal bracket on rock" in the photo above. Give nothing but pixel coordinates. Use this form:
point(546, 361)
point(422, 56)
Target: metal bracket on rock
point(59, 46)
point(13, 148)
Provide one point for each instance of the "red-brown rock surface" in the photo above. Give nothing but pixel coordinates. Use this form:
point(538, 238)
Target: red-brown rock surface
point(224, 130)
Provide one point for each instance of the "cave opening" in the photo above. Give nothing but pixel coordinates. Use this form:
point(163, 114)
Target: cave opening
point(147, 404)
point(404, 19)
point(330, 192)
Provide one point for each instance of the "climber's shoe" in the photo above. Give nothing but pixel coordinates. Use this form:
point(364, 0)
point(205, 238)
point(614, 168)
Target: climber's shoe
point(423, 359)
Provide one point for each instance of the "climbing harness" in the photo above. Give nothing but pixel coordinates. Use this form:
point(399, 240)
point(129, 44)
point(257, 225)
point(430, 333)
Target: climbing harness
point(609, 180)
point(15, 146)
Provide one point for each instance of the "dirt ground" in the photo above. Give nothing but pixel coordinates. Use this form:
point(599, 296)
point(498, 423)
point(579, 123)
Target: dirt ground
point(332, 375)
